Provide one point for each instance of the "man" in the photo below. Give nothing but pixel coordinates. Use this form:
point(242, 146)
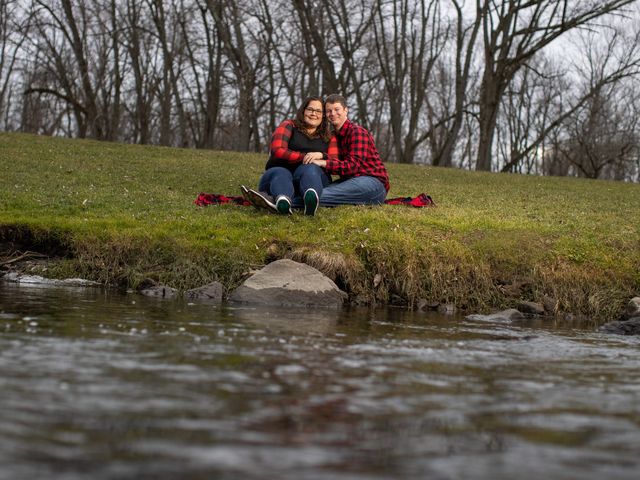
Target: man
point(363, 178)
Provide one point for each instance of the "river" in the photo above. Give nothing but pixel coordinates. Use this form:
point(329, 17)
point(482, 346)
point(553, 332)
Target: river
point(101, 385)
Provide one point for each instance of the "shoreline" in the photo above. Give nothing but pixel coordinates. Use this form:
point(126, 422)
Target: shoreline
point(515, 295)
point(124, 216)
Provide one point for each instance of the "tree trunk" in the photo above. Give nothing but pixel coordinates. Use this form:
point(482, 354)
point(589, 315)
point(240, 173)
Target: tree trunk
point(490, 94)
point(93, 123)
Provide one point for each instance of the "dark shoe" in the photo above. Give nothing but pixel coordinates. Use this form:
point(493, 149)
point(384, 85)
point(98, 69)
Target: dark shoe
point(245, 193)
point(261, 200)
point(283, 205)
point(311, 202)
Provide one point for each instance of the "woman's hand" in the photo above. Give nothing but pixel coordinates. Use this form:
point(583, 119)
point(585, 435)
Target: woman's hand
point(315, 158)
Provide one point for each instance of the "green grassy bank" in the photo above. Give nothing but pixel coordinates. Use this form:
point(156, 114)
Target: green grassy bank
point(122, 214)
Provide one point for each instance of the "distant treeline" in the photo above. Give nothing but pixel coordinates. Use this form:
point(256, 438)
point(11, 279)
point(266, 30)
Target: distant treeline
point(546, 87)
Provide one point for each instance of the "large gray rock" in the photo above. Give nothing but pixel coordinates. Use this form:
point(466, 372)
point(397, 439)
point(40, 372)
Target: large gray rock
point(628, 327)
point(505, 316)
point(210, 293)
point(290, 284)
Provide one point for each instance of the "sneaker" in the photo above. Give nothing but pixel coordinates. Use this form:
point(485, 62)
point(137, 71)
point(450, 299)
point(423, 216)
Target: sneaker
point(283, 205)
point(311, 202)
point(245, 193)
point(261, 200)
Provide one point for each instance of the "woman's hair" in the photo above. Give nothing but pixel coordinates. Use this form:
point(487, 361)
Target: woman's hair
point(322, 131)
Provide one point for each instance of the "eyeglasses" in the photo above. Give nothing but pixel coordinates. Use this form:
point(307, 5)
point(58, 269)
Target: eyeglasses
point(313, 110)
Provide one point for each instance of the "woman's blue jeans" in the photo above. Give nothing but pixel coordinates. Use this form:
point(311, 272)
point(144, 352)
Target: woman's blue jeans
point(352, 191)
point(281, 181)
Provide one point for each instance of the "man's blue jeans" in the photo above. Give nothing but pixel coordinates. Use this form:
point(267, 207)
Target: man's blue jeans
point(280, 181)
point(354, 191)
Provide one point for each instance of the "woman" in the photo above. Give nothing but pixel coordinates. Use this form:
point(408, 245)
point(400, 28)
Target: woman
point(285, 177)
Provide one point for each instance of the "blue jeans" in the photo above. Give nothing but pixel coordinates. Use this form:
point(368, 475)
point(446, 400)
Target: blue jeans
point(354, 191)
point(280, 181)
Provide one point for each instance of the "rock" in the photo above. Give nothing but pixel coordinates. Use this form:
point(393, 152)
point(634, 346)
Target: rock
point(447, 309)
point(531, 307)
point(505, 316)
point(627, 327)
point(633, 308)
point(422, 304)
point(37, 280)
point(397, 300)
point(210, 293)
point(159, 291)
point(290, 284)
point(550, 305)
point(359, 301)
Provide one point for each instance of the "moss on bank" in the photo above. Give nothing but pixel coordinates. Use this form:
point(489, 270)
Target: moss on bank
point(124, 214)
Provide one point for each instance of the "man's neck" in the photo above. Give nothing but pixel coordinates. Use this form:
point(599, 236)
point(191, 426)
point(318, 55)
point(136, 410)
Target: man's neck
point(338, 128)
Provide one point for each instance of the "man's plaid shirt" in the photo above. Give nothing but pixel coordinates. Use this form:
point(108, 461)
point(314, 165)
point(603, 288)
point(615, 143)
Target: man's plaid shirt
point(358, 155)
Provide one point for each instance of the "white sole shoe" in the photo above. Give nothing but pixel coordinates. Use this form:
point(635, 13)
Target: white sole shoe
point(311, 201)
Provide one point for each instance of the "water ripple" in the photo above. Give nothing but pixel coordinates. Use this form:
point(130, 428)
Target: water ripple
point(98, 385)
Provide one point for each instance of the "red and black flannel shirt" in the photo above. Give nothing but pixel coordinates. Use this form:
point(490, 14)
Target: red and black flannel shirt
point(280, 145)
point(358, 155)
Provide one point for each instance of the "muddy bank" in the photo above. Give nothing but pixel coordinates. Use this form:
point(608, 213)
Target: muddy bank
point(140, 266)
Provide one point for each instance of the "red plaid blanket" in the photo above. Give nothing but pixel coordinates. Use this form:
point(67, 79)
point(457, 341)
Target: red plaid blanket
point(204, 199)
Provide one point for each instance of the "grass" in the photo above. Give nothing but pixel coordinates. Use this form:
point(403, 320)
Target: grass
point(124, 214)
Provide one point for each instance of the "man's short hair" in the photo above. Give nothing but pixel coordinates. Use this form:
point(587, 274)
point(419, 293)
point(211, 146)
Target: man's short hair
point(335, 98)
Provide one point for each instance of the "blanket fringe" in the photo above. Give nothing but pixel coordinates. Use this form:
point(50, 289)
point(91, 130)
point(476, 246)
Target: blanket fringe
point(205, 199)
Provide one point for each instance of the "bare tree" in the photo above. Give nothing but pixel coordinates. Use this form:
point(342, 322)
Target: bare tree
point(203, 87)
point(140, 47)
point(601, 136)
point(351, 23)
point(111, 92)
point(282, 76)
point(448, 104)
point(513, 32)
point(338, 35)
point(313, 20)
point(409, 39)
point(74, 43)
point(231, 21)
point(172, 45)
point(13, 26)
point(611, 57)
point(532, 103)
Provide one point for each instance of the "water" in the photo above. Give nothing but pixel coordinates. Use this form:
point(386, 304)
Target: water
point(99, 385)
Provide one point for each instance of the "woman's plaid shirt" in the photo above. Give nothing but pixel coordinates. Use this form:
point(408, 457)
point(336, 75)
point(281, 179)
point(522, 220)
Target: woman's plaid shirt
point(280, 145)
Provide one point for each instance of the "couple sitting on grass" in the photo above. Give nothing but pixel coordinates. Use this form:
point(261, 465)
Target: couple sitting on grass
point(304, 155)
